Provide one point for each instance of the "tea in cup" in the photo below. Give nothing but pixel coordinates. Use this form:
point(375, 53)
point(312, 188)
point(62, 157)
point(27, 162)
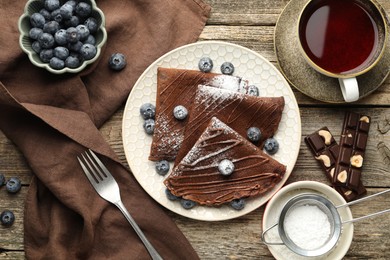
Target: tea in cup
point(342, 39)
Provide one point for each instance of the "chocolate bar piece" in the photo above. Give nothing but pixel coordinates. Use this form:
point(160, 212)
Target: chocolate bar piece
point(353, 143)
point(325, 149)
point(322, 143)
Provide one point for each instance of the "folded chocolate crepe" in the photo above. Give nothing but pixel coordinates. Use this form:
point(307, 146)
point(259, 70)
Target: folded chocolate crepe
point(198, 178)
point(53, 118)
point(178, 87)
point(238, 111)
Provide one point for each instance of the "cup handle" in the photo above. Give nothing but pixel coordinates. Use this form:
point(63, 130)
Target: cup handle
point(350, 89)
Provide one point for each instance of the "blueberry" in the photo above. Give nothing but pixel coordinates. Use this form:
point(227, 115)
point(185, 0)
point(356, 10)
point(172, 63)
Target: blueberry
point(66, 11)
point(149, 126)
point(61, 52)
point(117, 61)
point(237, 204)
point(88, 51)
point(147, 111)
point(46, 40)
point(37, 20)
point(226, 167)
point(91, 24)
point(51, 27)
point(205, 64)
point(46, 14)
point(71, 3)
point(76, 47)
point(51, 5)
point(7, 218)
point(227, 68)
point(34, 33)
point(170, 196)
point(60, 37)
point(82, 31)
point(13, 185)
point(271, 146)
point(83, 9)
point(180, 112)
point(90, 39)
point(46, 55)
point(36, 46)
point(254, 134)
point(162, 167)
point(72, 35)
point(56, 16)
point(72, 22)
point(56, 63)
point(2, 179)
point(72, 62)
point(253, 90)
point(187, 204)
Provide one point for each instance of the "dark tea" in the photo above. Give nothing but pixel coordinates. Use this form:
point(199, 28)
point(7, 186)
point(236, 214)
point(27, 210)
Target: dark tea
point(340, 36)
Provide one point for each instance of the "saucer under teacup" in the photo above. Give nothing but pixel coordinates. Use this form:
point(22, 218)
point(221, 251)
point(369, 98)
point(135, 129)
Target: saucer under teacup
point(307, 80)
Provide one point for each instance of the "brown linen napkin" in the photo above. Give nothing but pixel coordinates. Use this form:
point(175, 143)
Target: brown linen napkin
point(52, 118)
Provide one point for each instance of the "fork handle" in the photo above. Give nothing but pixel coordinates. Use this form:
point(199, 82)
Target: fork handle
point(152, 251)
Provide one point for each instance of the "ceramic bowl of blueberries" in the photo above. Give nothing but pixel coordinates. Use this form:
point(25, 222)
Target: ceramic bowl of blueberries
point(62, 36)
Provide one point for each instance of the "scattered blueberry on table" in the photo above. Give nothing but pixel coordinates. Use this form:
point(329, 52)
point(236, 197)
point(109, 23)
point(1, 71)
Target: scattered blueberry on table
point(7, 218)
point(13, 185)
point(205, 64)
point(271, 145)
point(227, 68)
point(117, 61)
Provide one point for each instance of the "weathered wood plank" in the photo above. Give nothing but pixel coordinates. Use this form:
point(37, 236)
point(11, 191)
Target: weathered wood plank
point(12, 255)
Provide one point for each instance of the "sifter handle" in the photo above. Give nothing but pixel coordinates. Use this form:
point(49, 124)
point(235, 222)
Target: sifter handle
point(263, 236)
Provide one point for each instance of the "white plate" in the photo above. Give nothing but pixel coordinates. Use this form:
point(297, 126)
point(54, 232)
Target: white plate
point(275, 205)
point(249, 65)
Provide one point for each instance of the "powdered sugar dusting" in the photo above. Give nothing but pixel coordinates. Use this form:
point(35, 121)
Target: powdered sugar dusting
point(209, 95)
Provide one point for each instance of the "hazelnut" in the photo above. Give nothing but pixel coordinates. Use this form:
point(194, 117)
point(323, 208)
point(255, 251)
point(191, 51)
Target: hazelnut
point(331, 172)
point(348, 192)
point(325, 160)
point(365, 119)
point(342, 176)
point(326, 135)
point(357, 161)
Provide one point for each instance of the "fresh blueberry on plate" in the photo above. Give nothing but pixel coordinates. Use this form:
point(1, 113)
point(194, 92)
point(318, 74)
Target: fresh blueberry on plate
point(271, 146)
point(205, 64)
point(254, 134)
point(180, 112)
point(187, 204)
point(227, 68)
point(238, 204)
point(170, 196)
point(226, 167)
point(253, 91)
point(162, 167)
point(147, 111)
point(149, 125)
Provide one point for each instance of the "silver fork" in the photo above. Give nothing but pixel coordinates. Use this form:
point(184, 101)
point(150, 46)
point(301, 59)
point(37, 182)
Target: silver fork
point(106, 186)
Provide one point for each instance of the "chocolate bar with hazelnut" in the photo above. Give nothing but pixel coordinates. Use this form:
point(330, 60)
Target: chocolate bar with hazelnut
point(352, 143)
point(325, 149)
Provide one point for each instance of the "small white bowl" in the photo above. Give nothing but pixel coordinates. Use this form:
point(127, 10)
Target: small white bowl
point(277, 202)
point(33, 6)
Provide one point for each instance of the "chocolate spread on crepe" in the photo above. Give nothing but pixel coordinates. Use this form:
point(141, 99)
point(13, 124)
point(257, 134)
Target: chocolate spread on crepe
point(197, 177)
point(178, 87)
point(237, 110)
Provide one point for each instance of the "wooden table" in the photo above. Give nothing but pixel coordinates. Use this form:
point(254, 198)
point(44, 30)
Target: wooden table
point(250, 23)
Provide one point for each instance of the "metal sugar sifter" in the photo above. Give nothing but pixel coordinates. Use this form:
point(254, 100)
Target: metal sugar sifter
point(326, 207)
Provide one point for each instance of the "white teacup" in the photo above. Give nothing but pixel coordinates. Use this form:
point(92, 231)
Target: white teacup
point(342, 39)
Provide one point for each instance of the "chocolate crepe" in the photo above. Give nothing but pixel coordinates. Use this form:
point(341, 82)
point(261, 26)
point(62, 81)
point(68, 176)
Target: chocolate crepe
point(52, 118)
point(178, 87)
point(238, 111)
point(197, 177)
